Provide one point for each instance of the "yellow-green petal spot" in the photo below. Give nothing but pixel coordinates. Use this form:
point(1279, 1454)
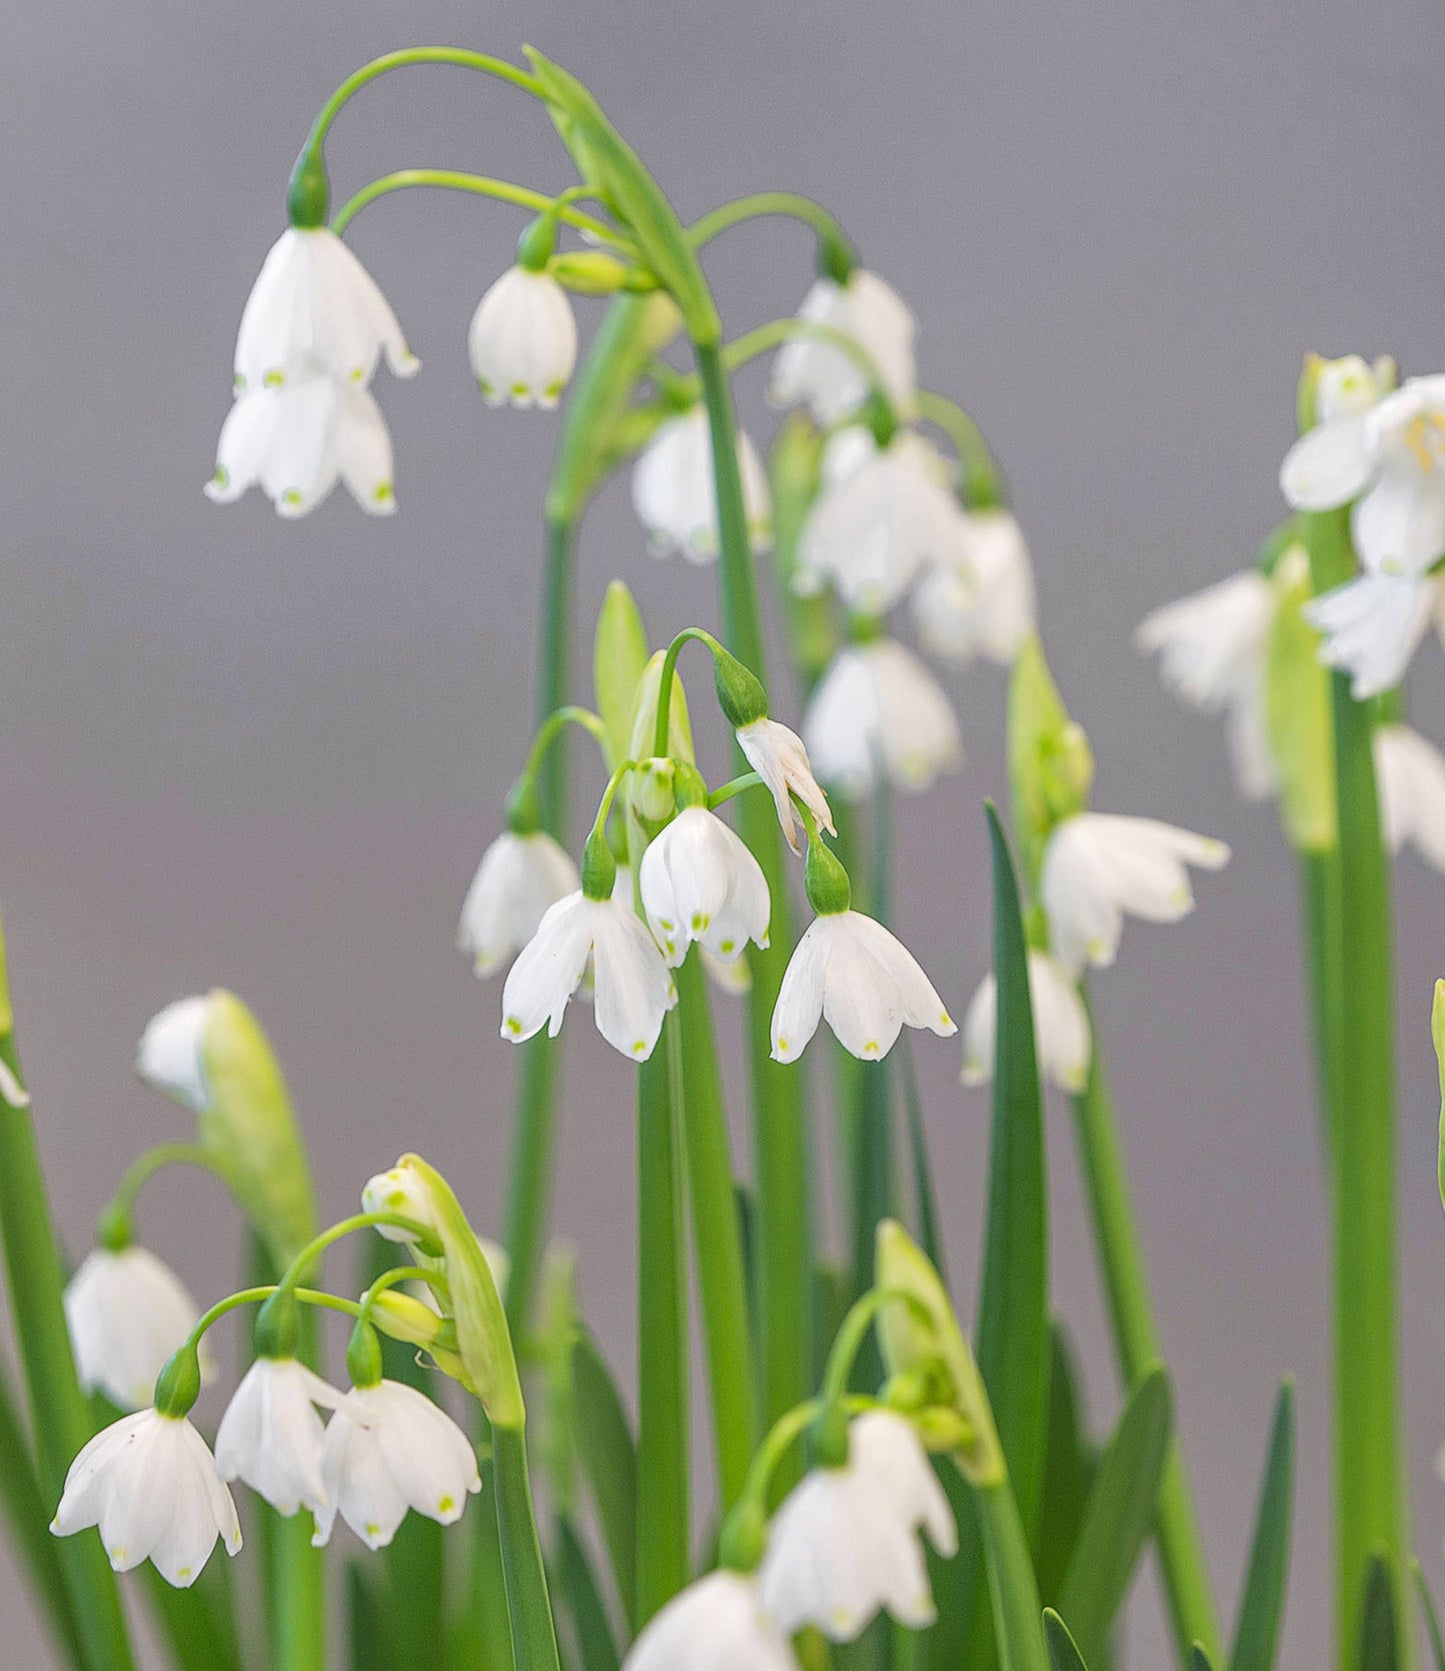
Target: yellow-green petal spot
point(446, 1504)
point(514, 1026)
point(274, 378)
point(384, 493)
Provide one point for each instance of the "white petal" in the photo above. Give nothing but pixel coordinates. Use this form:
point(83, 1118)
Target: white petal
point(634, 986)
point(1399, 525)
point(523, 339)
point(1411, 775)
point(126, 1313)
point(549, 969)
point(799, 1008)
point(363, 453)
point(519, 878)
point(1328, 466)
point(429, 1456)
point(169, 1054)
point(715, 1624)
point(1373, 626)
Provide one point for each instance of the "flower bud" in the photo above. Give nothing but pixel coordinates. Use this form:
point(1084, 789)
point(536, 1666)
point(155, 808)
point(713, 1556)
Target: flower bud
point(740, 693)
point(652, 787)
point(824, 879)
point(308, 195)
point(363, 1355)
point(178, 1385)
point(402, 1190)
point(589, 272)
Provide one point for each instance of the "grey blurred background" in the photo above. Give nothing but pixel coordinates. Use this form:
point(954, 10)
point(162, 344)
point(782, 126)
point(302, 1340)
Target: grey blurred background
point(264, 755)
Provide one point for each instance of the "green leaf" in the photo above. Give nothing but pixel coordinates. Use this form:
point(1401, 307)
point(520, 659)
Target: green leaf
point(1432, 1618)
point(924, 1206)
point(1067, 1468)
point(1063, 1652)
point(577, 1589)
point(1119, 1516)
point(1378, 1647)
point(609, 1455)
point(1013, 1317)
point(605, 160)
point(1261, 1611)
point(1198, 1659)
point(365, 1619)
point(24, 1507)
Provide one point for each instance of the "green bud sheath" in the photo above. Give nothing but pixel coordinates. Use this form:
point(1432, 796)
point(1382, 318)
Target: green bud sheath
point(178, 1385)
point(308, 196)
point(740, 693)
point(828, 1438)
point(599, 868)
point(825, 880)
point(836, 258)
point(363, 1355)
point(113, 1229)
point(535, 246)
point(278, 1326)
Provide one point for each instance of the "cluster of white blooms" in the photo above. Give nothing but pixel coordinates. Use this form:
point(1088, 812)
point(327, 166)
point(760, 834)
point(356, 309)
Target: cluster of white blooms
point(843, 1546)
point(156, 1490)
point(1380, 450)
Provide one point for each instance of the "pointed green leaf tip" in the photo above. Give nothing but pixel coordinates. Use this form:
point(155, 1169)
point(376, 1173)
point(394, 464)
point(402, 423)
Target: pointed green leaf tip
point(1063, 1651)
point(1262, 1609)
point(1437, 1035)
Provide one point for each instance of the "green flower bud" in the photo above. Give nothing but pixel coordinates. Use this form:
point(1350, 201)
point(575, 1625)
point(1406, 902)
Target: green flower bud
point(599, 868)
point(113, 1230)
point(919, 1333)
point(652, 790)
point(535, 246)
point(824, 878)
point(178, 1385)
point(740, 692)
point(363, 1355)
point(828, 1438)
point(743, 1538)
point(524, 812)
point(278, 1326)
point(589, 272)
point(308, 195)
point(690, 787)
point(836, 257)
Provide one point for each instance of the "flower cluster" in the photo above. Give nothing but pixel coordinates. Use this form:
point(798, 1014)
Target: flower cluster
point(154, 1487)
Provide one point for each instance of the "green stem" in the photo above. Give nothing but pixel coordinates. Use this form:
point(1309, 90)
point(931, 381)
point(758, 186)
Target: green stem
point(662, 1344)
point(144, 1168)
point(663, 724)
point(762, 339)
point(1324, 908)
point(477, 185)
point(1371, 1507)
point(717, 1237)
point(534, 1639)
point(784, 1261)
point(1137, 1347)
point(982, 480)
point(766, 203)
point(734, 786)
point(1018, 1616)
point(59, 1414)
point(458, 56)
point(872, 1082)
point(529, 1188)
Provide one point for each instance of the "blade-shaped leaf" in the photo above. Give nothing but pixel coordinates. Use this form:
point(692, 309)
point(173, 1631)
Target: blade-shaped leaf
point(609, 1455)
point(925, 1210)
point(1432, 1618)
point(1119, 1515)
point(1256, 1638)
point(23, 1507)
point(578, 1590)
point(1378, 1647)
point(1064, 1653)
point(1199, 1660)
point(1068, 1464)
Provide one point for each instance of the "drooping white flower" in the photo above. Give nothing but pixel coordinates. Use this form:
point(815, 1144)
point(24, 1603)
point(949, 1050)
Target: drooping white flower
point(271, 1435)
point(700, 881)
point(315, 308)
point(1389, 457)
point(1211, 649)
point(169, 1053)
point(1372, 626)
point(779, 758)
point(389, 1448)
point(715, 1624)
point(983, 602)
point(1411, 774)
point(825, 375)
point(845, 1543)
point(126, 1312)
point(519, 877)
point(674, 495)
point(523, 339)
point(297, 441)
point(1097, 867)
point(1061, 1027)
point(879, 709)
point(870, 533)
point(150, 1484)
point(850, 971)
point(633, 985)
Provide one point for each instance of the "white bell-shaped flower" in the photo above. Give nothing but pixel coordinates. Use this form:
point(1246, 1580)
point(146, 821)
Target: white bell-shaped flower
point(982, 604)
point(874, 528)
point(1061, 1027)
point(1391, 459)
point(523, 339)
point(779, 758)
point(271, 1435)
point(400, 1190)
point(845, 1543)
point(296, 442)
point(1211, 648)
point(715, 1624)
point(150, 1484)
point(389, 1448)
point(700, 882)
point(315, 308)
point(879, 710)
point(126, 1312)
point(1098, 867)
point(633, 985)
point(1372, 626)
point(825, 375)
point(1411, 776)
point(519, 877)
point(169, 1053)
point(675, 497)
point(850, 971)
